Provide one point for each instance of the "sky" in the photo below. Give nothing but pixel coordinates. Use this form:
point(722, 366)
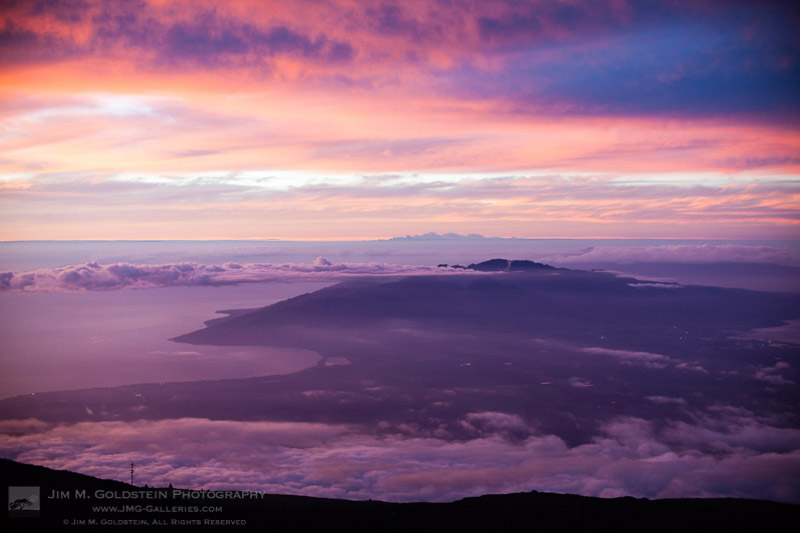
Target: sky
point(338, 119)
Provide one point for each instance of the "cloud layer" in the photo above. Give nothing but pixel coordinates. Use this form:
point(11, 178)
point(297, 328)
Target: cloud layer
point(94, 276)
point(727, 453)
point(679, 253)
point(113, 205)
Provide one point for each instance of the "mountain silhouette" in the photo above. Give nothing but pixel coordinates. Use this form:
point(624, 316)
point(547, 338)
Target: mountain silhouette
point(505, 265)
point(537, 511)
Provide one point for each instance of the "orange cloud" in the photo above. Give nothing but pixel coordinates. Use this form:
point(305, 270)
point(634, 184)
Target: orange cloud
point(110, 98)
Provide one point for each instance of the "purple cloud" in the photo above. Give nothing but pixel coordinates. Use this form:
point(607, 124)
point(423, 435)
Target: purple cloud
point(584, 57)
point(771, 374)
point(694, 366)
point(666, 400)
point(94, 276)
point(510, 427)
point(727, 453)
point(580, 382)
point(656, 285)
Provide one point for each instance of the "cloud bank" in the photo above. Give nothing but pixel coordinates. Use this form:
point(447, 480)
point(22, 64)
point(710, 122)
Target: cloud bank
point(728, 453)
point(678, 253)
point(93, 275)
point(96, 277)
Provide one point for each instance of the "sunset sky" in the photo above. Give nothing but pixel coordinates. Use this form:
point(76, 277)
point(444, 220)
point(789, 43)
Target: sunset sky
point(343, 119)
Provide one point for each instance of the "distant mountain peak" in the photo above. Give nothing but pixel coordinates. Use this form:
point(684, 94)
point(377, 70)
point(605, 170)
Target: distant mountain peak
point(431, 236)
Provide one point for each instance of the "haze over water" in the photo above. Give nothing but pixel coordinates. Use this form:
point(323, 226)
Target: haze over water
point(69, 341)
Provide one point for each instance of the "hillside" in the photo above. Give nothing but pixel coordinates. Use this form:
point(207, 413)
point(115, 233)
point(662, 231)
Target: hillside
point(509, 512)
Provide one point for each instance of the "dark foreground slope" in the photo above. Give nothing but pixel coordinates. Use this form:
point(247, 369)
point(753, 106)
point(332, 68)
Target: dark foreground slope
point(167, 509)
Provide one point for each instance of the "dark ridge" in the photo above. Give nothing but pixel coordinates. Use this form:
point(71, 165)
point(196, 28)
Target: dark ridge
point(505, 265)
point(77, 494)
point(523, 265)
point(492, 265)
